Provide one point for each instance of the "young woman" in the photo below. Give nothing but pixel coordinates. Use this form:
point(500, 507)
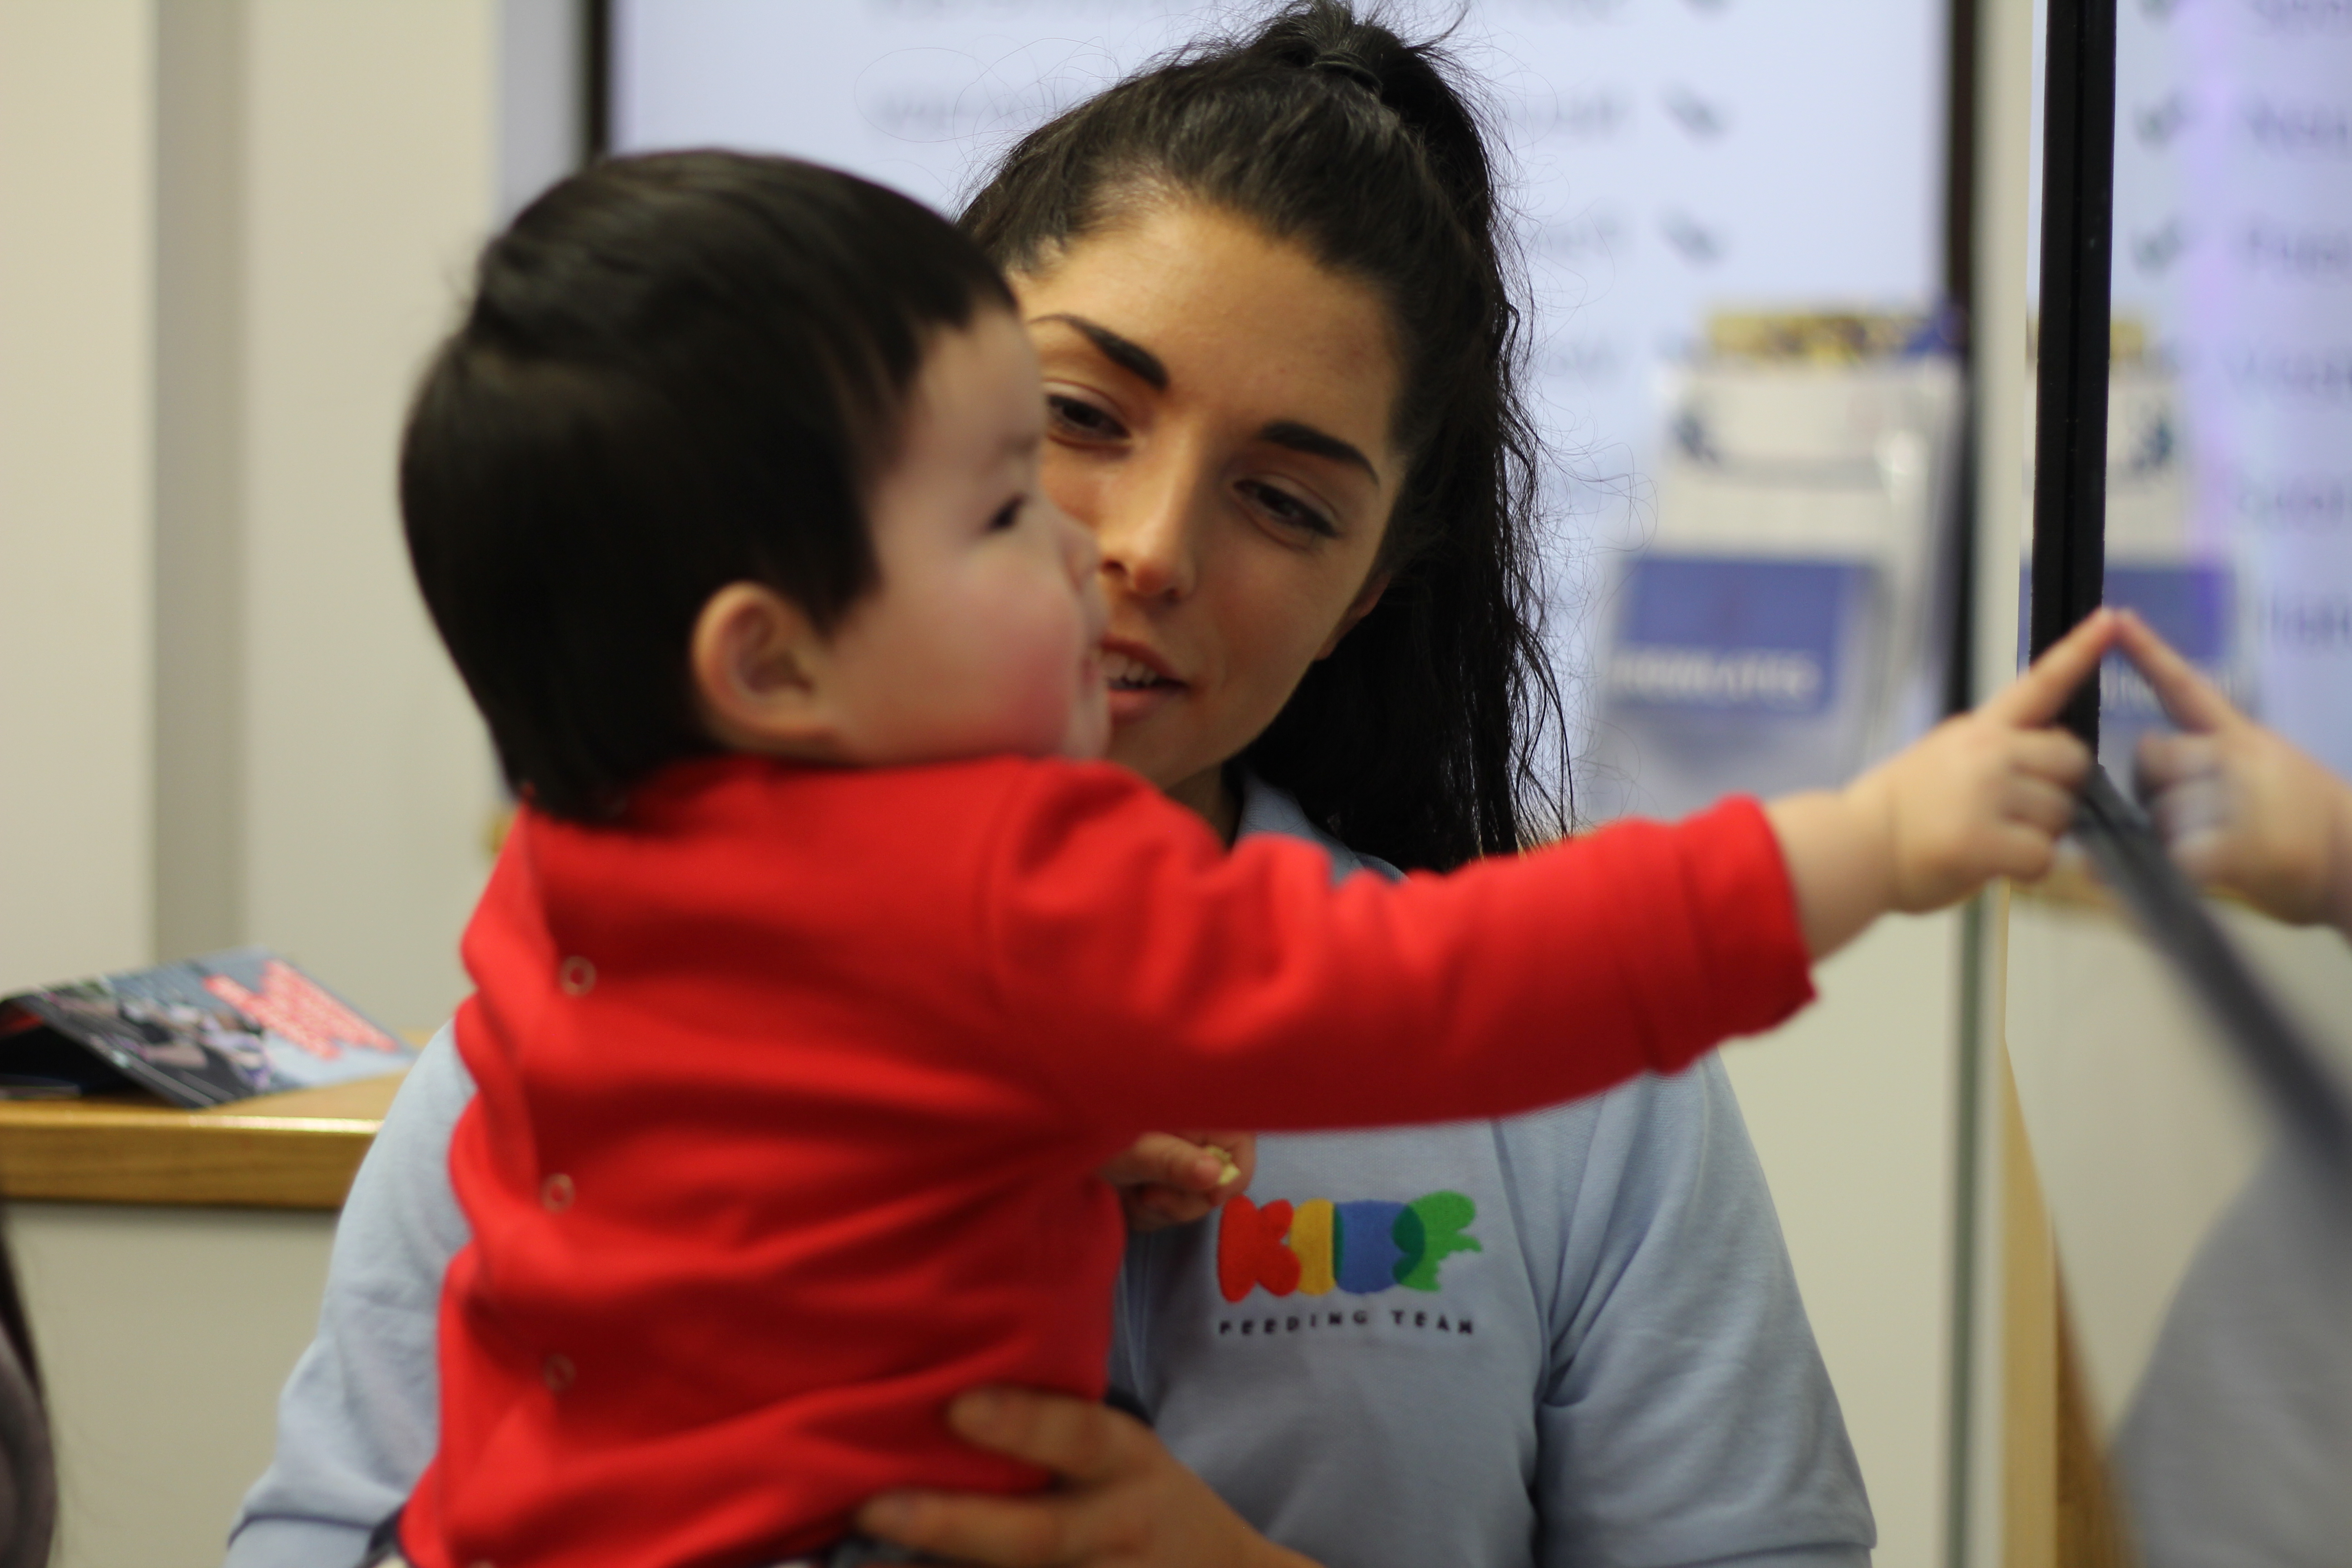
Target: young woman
point(1266, 289)
point(1295, 235)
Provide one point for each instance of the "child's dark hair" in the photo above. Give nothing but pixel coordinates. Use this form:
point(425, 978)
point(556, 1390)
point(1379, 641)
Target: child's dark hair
point(677, 372)
point(1418, 738)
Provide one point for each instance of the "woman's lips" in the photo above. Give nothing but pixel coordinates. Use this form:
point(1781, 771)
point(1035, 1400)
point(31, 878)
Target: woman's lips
point(1138, 682)
point(1128, 704)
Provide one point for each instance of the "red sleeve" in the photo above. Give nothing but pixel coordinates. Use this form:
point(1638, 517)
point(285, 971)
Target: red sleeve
point(1249, 991)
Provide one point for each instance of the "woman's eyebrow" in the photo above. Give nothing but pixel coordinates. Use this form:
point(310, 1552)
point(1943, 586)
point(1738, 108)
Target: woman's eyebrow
point(1141, 363)
point(1129, 355)
point(1318, 444)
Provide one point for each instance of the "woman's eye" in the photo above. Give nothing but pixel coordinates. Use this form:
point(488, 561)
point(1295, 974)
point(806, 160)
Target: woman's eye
point(1007, 516)
point(1289, 511)
point(1075, 416)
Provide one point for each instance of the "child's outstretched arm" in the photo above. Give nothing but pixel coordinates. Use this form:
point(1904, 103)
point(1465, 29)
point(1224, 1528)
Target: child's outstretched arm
point(2240, 807)
point(1243, 987)
point(1985, 795)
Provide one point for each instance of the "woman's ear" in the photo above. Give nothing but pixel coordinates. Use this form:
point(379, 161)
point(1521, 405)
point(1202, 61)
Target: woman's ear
point(1366, 597)
point(761, 675)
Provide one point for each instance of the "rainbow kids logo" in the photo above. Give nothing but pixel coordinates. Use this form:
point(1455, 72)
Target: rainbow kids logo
point(1362, 1248)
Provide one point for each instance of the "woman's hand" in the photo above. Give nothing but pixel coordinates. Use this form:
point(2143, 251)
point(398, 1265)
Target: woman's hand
point(2239, 806)
point(1986, 795)
point(1123, 1501)
point(1169, 1178)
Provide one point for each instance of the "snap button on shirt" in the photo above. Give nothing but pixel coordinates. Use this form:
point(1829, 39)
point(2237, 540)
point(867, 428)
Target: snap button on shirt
point(578, 976)
point(559, 1372)
point(556, 1193)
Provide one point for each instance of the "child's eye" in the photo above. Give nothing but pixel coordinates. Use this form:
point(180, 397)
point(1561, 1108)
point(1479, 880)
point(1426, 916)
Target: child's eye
point(1289, 511)
point(1007, 516)
point(1075, 417)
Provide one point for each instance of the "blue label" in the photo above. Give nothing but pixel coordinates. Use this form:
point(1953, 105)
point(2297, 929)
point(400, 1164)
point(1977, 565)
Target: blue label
point(1733, 634)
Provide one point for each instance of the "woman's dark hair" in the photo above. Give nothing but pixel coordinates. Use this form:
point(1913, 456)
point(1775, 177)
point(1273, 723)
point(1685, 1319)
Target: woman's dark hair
point(676, 372)
point(1422, 738)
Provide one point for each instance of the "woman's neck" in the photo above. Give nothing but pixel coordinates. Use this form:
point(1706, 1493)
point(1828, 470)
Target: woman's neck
point(1209, 793)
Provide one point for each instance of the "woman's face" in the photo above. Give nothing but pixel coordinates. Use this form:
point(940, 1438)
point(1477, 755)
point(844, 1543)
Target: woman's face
point(1217, 412)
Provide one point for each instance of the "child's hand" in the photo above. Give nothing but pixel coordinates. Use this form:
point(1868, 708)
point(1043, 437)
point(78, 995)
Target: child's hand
point(1171, 1178)
point(1985, 795)
point(2239, 806)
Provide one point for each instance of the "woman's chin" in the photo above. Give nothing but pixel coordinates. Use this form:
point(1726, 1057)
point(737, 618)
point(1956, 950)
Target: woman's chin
point(1144, 739)
point(1133, 705)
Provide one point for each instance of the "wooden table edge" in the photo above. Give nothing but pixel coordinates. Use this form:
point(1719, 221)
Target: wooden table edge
point(294, 1150)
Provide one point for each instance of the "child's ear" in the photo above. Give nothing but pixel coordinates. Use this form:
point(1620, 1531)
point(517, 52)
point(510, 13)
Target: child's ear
point(760, 674)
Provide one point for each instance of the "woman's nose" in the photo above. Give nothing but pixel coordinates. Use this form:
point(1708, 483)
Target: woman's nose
point(1149, 535)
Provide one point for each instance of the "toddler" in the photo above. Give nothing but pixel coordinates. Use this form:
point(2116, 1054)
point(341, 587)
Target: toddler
point(824, 967)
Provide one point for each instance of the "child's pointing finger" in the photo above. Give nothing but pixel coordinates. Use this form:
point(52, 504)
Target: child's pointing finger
point(2035, 698)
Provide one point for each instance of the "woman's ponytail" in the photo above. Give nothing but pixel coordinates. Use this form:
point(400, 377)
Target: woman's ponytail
point(1416, 82)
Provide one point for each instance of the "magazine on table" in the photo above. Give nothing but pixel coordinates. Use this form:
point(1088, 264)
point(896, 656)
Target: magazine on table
point(203, 1031)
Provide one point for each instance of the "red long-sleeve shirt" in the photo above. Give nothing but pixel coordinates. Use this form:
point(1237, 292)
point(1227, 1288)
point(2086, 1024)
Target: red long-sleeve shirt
point(792, 1085)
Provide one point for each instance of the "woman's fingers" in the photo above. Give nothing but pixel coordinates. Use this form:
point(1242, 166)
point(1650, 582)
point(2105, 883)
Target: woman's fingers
point(1034, 1532)
point(1241, 1150)
point(1188, 1161)
point(1162, 1159)
point(2035, 698)
point(1124, 1501)
point(1085, 1442)
point(2194, 702)
point(1081, 1440)
point(1167, 1178)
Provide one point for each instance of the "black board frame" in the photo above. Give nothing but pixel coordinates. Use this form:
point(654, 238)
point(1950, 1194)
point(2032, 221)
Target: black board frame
point(2069, 435)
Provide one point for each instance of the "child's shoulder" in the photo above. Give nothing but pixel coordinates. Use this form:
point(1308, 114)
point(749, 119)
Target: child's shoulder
point(738, 793)
point(718, 836)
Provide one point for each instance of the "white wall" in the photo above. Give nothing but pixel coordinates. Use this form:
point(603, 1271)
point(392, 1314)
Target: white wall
point(207, 370)
point(229, 232)
point(77, 286)
point(370, 171)
point(1852, 1107)
point(164, 1335)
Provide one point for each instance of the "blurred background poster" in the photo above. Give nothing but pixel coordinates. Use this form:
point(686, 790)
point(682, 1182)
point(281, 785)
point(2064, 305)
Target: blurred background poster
point(2233, 234)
